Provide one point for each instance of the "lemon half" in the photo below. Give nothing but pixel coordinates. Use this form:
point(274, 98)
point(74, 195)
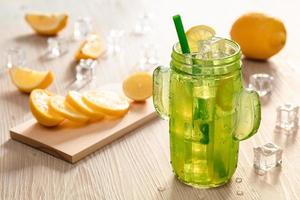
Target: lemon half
point(138, 86)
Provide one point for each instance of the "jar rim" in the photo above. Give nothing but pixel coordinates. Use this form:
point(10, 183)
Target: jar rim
point(193, 65)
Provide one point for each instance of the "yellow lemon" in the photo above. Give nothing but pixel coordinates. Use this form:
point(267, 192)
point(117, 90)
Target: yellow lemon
point(59, 106)
point(47, 24)
point(39, 107)
point(260, 36)
point(198, 33)
point(75, 100)
point(91, 48)
point(138, 86)
point(106, 102)
point(27, 80)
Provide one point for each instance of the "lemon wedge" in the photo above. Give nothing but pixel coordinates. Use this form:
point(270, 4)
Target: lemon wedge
point(39, 107)
point(27, 79)
point(75, 100)
point(47, 24)
point(198, 33)
point(138, 86)
point(58, 105)
point(106, 102)
point(91, 48)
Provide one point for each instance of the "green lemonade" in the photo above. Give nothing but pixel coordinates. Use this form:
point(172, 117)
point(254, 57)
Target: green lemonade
point(205, 111)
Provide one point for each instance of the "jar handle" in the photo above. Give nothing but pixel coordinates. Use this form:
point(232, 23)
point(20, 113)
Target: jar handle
point(161, 81)
point(248, 114)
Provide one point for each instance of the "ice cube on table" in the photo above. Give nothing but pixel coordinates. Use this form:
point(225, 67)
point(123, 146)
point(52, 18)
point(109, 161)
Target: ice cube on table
point(14, 56)
point(266, 157)
point(143, 25)
point(150, 54)
point(149, 59)
point(214, 48)
point(287, 118)
point(115, 41)
point(82, 28)
point(56, 47)
point(85, 73)
point(85, 70)
point(261, 83)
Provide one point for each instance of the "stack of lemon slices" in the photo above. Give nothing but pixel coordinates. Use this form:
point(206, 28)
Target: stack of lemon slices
point(51, 110)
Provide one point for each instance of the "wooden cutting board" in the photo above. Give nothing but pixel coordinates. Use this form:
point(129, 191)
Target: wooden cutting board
point(74, 143)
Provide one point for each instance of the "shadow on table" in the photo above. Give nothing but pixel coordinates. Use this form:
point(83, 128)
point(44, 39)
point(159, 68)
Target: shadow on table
point(44, 57)
point(70, 73)
point(179, 190)
point(283, 140)
point(18, 157)
point(15, 98)
point(110, 145)
point(253, 67)
point(271, 178)
point(32, 39)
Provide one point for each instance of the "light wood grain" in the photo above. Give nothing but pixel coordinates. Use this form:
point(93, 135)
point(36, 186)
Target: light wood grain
point(135, 166)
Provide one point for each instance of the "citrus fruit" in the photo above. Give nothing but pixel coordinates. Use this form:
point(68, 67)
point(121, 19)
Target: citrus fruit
point(260, 36)
point(47, 24)
point(39, 107)
point(27, 80)
point(75, 100)
point(91, 48)
point(138, 86)
point(198, 33)
point(248, 115)
point(106, 102)
point(58, 105)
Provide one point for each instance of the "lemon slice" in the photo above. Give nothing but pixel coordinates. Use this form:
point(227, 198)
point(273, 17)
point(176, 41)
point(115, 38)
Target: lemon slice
point(39, 107)
point(248, 115)
point(91, 48)
point(198, 33)
point(47, 24)
point(106, 102)
point(27, 80)
point(75, 100)
point(58, 105)
point(138, 86)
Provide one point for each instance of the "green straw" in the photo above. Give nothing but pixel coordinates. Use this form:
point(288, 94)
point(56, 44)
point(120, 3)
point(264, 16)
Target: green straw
point(181, 34)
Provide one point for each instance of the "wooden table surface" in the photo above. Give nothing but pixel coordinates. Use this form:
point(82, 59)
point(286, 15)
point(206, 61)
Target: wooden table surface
point(137, 165)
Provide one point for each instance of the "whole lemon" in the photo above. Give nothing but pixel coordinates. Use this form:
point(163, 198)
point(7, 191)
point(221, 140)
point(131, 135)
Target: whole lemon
point(260, 36)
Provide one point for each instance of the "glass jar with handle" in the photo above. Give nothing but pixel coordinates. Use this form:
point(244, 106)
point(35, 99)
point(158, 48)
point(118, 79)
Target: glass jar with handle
point(209, 112)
